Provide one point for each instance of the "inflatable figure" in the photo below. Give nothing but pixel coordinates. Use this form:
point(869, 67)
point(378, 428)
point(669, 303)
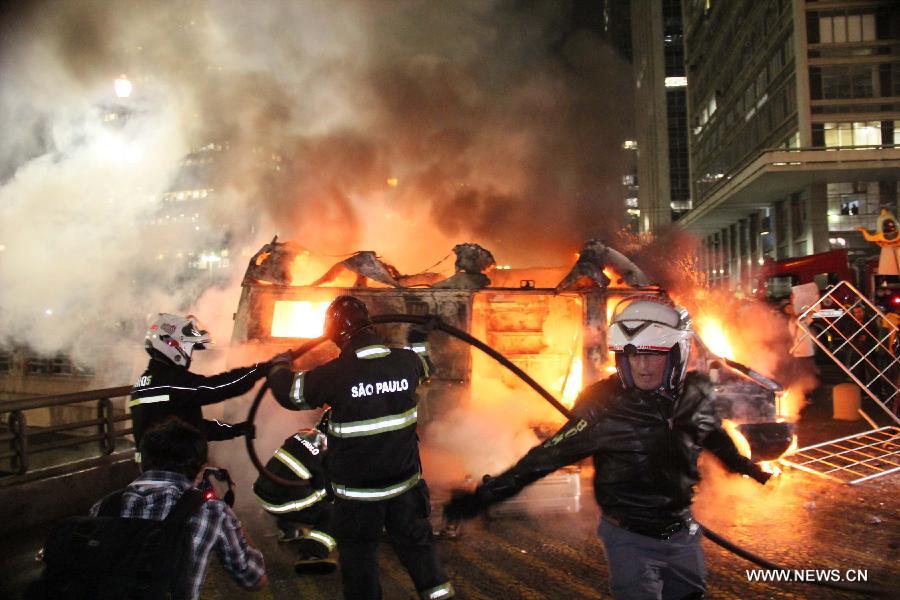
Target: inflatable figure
point(886, 235)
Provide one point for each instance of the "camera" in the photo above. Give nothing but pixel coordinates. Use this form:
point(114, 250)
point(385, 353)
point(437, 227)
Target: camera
point(208, 488)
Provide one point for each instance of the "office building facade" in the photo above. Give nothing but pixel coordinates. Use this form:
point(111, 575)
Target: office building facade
point(794, 118)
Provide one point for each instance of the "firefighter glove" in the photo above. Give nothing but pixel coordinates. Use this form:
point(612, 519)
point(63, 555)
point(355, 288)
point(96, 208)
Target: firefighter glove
point(285, 358)
point(245, 428)
point(467, 505)
point(759, 475)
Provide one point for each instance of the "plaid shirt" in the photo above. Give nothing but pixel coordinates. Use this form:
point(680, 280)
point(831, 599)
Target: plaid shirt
point(214, 525)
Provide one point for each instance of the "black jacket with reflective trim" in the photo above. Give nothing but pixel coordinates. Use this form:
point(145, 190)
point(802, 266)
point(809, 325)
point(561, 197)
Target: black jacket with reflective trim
point(644, 447)
point(167, 390)
point(363, 389)
point(273, 493)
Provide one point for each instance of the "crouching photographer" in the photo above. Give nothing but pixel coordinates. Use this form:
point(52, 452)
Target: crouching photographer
point(154, 538)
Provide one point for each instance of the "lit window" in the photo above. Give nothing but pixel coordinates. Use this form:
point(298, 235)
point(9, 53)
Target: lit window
point(838, 135)
point(867, 134)
point(631, 202)
point(868, 28)
point(849, 206)
point(839, 31)
point(846, 28)
point(676, 82)
point(794, 141)
point(854, 28)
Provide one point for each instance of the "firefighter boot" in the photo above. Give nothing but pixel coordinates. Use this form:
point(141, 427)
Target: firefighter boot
point(310, 564)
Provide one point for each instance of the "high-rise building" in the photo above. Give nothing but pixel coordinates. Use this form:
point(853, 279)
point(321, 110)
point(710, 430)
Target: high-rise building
point(616, 31)
point(617, 26)
point(794, 115)
point(657, 51)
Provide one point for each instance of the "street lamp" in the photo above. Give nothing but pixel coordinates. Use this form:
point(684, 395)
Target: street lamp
point(123, 86)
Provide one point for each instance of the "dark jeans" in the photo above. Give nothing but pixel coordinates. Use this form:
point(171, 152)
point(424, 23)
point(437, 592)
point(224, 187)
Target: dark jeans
point(644, 568)
point(358, 527)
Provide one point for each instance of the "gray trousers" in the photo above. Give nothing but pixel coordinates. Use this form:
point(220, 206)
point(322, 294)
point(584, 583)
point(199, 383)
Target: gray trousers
point(644, 568)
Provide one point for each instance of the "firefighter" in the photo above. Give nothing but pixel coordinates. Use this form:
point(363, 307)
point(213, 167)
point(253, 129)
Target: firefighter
point(373, 454)
point(301, 459)
point(167, 387)
point(644, 427)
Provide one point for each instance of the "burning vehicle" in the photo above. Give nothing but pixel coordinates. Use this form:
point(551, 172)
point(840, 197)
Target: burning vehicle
point(549, 322)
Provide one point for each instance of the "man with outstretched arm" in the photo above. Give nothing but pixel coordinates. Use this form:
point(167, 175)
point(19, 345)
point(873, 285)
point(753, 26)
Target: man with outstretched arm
point(167, 387)
point(644, 428)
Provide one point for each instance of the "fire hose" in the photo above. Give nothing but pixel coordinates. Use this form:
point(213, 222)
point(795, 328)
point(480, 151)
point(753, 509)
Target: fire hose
point(434, 322)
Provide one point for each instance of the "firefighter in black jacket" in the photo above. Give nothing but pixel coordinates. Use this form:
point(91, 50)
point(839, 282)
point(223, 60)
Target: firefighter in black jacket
point(645, 428)
point(167, 387)
point(373, 453)
point(301, 459)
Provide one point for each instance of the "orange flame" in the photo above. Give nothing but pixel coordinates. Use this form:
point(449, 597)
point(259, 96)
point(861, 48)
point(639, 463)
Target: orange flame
point(743, 446)
point(790, 402)
point(298, 319)
point(771, 466)
point(792, 449)
point(262, 258)
point(731, 428)
point(713, 334)
point(542, 335)
point(572, 385)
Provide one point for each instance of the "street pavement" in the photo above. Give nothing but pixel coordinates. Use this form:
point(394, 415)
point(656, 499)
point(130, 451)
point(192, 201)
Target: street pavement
point(804, 523)
point(800, 522)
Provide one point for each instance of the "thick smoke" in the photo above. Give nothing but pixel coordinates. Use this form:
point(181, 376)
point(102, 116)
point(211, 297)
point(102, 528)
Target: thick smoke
point(757, 333)
point(400, 127)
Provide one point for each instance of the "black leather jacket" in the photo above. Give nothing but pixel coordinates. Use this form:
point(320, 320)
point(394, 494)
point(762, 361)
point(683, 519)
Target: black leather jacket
point(166, 389)
point(645, 448)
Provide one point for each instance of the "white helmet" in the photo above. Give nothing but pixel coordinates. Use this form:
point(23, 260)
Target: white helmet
point(175, 338)
point(651, 324)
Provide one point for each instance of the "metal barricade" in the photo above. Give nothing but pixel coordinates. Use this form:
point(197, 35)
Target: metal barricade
point(860, 339)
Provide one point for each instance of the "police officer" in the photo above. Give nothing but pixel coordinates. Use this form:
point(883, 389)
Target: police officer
point(644, 427)
point(373, 454)
point(167, 387)
point(300, 459)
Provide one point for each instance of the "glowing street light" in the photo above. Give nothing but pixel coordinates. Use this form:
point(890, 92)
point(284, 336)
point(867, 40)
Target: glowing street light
point(123, 86)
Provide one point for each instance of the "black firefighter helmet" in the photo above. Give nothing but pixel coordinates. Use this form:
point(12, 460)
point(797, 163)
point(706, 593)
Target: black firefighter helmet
point(344, 318)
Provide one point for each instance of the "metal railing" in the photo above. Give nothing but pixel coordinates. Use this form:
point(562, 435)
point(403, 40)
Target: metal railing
point(859, 338)
point(90, 441)
point(852, 459)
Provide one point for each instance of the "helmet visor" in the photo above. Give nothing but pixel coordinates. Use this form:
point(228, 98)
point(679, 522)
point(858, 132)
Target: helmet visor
point(194, 333)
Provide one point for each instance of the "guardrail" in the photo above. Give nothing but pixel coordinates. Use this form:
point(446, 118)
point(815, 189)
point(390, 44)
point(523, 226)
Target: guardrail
point(20, 443)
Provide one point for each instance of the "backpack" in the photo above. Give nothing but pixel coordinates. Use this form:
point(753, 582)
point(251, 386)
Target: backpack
point(111, 557)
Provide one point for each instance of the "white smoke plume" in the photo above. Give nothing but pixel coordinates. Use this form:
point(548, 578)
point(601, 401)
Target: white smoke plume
point(400, 127)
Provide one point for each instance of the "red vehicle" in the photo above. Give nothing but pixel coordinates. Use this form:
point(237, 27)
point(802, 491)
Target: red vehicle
point(776, 277)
